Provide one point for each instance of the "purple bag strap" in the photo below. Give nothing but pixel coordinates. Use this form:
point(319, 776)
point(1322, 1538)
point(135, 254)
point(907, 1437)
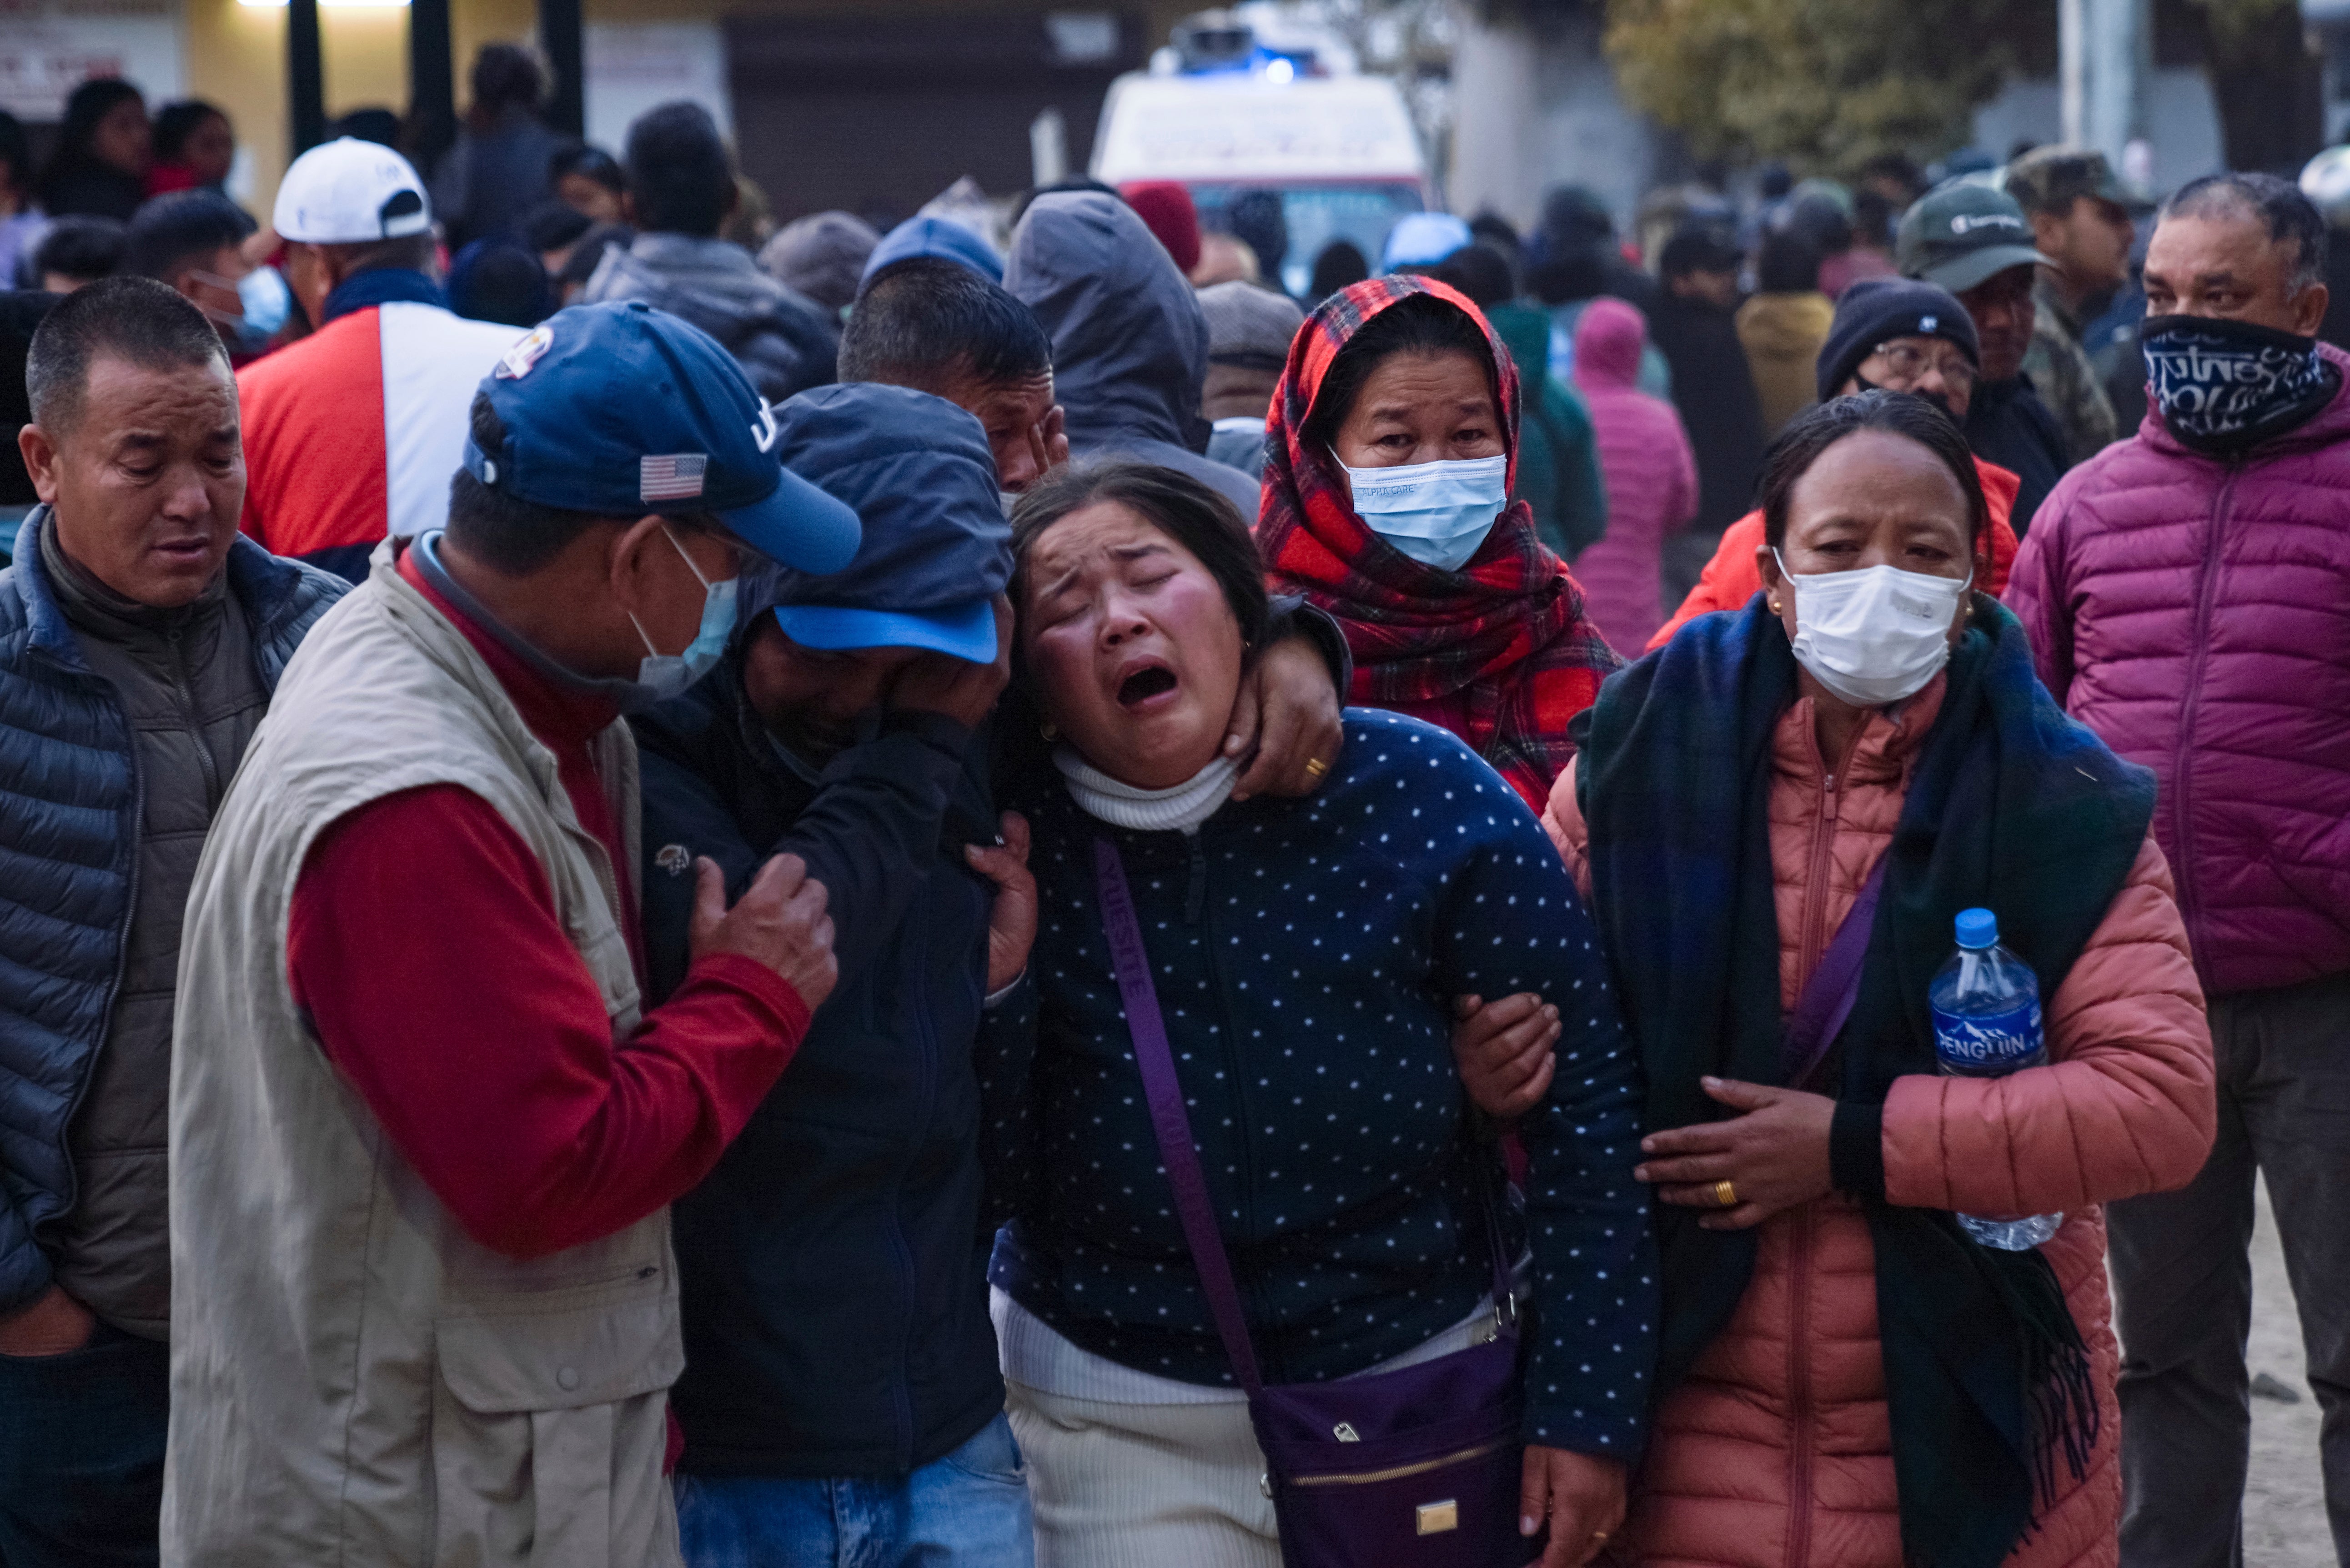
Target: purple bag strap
point(1835, 986)
point(1165, 1094)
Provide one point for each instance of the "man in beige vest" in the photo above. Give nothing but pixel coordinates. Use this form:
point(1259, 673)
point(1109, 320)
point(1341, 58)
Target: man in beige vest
point(423, 1135)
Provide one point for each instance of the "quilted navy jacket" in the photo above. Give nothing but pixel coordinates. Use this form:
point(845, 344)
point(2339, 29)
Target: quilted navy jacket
point(68, 855)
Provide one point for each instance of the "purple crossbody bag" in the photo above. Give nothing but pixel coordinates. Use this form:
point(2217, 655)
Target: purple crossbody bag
point(1835, 986)
point(1414, 1468)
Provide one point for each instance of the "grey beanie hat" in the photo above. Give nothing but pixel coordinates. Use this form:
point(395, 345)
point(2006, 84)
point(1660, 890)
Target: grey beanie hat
point(1249, 323)
point(822, 255)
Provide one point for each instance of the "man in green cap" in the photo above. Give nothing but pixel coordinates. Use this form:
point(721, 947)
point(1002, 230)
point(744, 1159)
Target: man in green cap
point(2080, 222)
point(1975, 242)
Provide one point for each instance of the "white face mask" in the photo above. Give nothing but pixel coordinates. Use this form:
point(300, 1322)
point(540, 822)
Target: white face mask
point(1874, 635)
point(1436, 513)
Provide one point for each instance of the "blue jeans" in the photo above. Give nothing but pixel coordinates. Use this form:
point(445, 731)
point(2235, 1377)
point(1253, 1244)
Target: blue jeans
point(969, 1509)
point(81, 1454)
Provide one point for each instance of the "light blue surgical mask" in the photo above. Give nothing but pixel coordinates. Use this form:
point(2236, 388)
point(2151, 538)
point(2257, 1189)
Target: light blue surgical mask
point(662, 676)
point(1437, 513)
point(267, 301)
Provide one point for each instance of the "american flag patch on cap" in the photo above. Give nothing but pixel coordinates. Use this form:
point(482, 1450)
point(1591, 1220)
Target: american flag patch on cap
point(673, 478)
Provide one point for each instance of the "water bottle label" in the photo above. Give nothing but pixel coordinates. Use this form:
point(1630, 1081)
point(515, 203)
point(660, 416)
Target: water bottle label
point(1989, 1044)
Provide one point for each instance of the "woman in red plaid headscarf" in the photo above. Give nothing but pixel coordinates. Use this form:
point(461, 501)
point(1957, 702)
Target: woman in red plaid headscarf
point(1393, 431)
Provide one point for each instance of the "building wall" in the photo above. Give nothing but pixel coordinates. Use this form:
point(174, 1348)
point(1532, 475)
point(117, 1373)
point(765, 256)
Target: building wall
point(235, 58)
point(1538, 107)
point(235, 54)
point(2183, 122)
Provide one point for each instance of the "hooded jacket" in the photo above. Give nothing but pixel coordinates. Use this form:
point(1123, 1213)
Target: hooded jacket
point(834, 1264)
point(69, 774)
point(1130, 340)
point(2195, 612)
point(781, 338)
point(1644, 455)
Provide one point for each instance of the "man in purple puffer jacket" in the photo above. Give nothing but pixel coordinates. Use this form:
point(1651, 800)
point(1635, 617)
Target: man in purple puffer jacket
point(2188, 593)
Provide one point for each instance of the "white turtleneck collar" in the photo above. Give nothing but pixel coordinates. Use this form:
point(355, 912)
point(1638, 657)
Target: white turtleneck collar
point(1181, 809)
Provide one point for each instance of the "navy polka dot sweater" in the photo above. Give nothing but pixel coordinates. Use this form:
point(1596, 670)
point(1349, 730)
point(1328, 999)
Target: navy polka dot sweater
point(1304, 953)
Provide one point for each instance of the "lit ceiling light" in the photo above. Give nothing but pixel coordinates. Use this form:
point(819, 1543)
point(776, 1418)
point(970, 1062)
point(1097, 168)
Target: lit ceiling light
point(330, 5)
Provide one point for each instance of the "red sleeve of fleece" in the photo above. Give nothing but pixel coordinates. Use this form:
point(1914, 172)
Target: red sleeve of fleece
point(1728, 581)
point(424, 947)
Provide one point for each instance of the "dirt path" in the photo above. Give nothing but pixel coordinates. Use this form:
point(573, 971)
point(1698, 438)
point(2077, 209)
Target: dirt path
point(2284, 1505)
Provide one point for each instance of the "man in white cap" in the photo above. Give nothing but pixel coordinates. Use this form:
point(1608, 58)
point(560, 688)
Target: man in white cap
point(351, 433)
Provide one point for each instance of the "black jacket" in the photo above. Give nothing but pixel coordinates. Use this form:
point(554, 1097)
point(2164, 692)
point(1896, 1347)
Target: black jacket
point(833, 1266)
point(1713, 387)
point(2009, 425)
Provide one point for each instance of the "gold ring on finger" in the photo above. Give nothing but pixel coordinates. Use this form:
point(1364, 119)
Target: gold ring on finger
point(1725, 1194)
point(1317, 766)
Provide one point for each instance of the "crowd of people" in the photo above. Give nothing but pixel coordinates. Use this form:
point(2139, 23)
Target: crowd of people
point(977, 891)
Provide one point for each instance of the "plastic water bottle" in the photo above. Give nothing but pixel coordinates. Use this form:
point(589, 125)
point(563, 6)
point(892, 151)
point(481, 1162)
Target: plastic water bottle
point(1986, 1005)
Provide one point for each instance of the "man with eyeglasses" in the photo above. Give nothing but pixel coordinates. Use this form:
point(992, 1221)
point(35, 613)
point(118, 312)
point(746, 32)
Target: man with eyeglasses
point(1900, 337)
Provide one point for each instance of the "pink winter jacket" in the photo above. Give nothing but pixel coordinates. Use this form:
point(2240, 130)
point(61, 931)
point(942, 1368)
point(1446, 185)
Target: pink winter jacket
point(2196, 614)
point(1777, 1451)
point(1651, 477)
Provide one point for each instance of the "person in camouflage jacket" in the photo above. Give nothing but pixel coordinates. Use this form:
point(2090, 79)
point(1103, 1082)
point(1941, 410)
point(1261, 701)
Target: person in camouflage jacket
point(2081, 224)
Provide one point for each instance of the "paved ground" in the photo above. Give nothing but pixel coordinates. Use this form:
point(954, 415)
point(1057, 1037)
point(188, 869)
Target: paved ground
point(2284, 1509)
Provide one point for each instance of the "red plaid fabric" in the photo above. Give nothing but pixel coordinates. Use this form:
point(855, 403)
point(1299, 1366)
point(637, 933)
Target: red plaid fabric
point(1499, 652)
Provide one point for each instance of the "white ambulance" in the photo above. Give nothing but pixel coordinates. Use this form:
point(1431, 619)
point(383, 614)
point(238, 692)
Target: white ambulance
point(1340, 150)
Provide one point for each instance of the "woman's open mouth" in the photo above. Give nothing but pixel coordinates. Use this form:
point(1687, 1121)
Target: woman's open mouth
point(1143, 684)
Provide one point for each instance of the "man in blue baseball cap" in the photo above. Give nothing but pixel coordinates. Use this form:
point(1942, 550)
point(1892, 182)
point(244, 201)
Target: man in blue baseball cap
point(425, 1129)
point(928, 236)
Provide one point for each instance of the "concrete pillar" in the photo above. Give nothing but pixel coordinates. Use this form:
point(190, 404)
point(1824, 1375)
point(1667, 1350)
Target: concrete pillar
point(2105, 51)
point(559, 34)
point(305, 77)
point(1536, 105)
point(1496, 154)
point(432, 82)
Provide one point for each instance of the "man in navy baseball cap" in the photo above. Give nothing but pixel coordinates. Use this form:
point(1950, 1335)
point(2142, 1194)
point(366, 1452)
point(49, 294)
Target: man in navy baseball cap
point(619, 469)
point(621, 411)
point(436, 883)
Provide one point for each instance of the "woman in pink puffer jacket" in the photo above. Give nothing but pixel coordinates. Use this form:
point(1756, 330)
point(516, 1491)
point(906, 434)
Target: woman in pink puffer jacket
point(1649, 472)
point(1841, 1366)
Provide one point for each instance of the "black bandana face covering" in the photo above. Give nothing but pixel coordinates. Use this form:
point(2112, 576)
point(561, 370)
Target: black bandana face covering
point(2224, 386)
